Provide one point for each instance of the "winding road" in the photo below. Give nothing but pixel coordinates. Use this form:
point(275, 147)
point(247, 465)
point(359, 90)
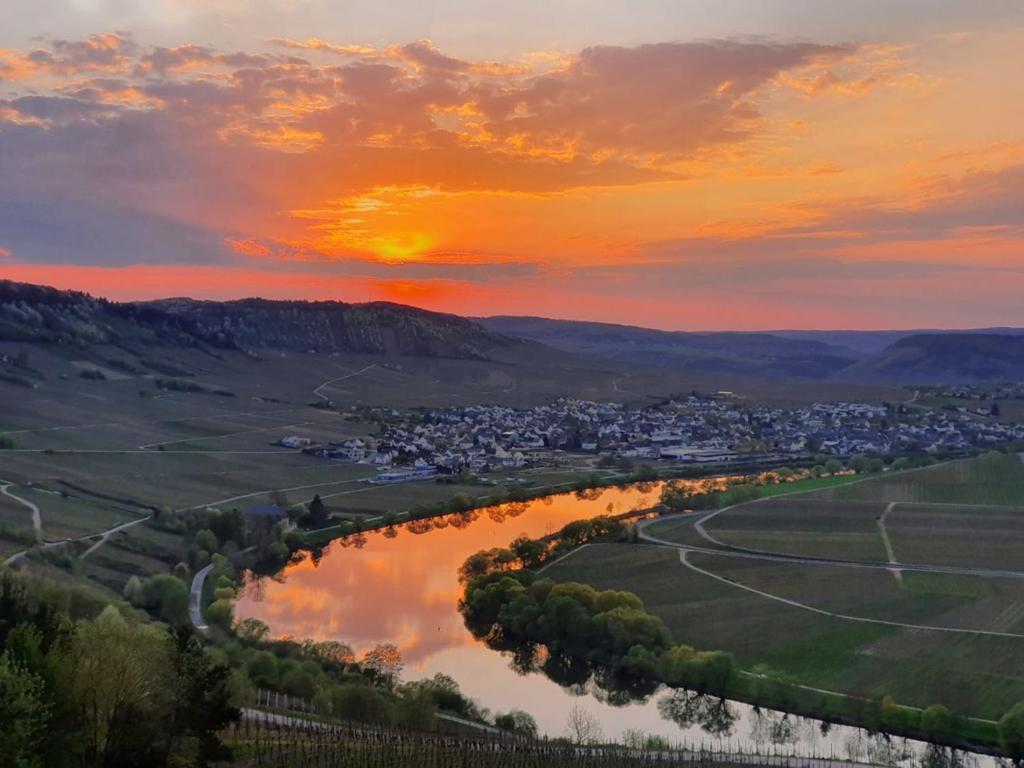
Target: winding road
point(195, 599)
point(724, 550)
point(37, 518)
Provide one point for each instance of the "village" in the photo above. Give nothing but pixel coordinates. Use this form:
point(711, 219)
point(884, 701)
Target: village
point(696, 429)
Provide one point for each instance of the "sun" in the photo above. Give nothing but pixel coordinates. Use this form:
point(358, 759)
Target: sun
point(408, 247)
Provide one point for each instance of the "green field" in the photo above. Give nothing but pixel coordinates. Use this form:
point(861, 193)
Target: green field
point(922, 637)
point(800, 526)
point(992, 480)
point(972, 674)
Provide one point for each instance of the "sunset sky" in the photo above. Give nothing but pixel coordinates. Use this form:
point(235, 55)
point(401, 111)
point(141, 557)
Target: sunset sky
point(737, 164)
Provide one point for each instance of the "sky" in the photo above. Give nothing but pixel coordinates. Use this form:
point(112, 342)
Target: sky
point(680, 164)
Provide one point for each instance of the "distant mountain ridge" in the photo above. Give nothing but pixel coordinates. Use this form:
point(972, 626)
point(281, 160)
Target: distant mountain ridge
point(43, 315)
point(957, 356)
point(40, 314)
point(868, 342)
point(759, 354)
point(948, 357)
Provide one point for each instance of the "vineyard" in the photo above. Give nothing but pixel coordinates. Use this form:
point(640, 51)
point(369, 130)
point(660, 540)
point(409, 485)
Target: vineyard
point(274, 741)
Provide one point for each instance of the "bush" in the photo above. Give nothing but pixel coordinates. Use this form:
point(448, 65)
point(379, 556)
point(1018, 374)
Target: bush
point(937, 723)
point(1011, 732)
point(517, 722)
point(165, 596)
point(221, 613)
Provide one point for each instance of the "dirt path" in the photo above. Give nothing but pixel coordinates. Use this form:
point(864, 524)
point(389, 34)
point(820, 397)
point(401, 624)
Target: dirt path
point(256, 431)
point(104, 536)
point(725, 550)
point(37, 518)
point(268, 491)
point(889, 551)
point(335, 380)
point(107, 534)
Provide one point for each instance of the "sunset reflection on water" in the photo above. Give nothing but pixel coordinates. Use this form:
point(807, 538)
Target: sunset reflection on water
point(404, 588)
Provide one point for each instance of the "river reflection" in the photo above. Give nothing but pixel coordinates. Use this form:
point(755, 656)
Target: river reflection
point(401, 586)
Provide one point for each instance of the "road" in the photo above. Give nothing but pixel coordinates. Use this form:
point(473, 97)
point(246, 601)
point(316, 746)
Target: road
point(107, 534)
point(335, 380)
point(104, 535)
point(725, 550)
point(195, 599)
point(37, 518)
point(846, 617)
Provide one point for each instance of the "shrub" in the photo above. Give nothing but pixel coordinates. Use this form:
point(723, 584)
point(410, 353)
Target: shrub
point(221, 613)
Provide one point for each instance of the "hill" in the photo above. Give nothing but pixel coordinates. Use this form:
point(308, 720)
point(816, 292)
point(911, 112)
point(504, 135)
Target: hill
point(871, 342)
point(38, 314)
point(913, 357)
point(334, 326)
point(754, 354)
point(945, 358)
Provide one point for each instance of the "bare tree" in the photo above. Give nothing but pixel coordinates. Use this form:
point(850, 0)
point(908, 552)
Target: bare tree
point(582, 727)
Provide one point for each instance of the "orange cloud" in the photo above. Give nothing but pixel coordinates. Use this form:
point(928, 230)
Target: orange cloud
point(411, 172)
point(316, 44)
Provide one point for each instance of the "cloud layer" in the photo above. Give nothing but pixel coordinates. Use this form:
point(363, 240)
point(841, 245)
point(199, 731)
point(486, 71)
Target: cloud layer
point(641, 169)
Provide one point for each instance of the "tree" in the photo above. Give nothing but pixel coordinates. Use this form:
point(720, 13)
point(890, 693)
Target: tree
point(1011, 732)
point(117, 678)
point(207, 539)
point(252, 630)
point(937, 722)
point(317, 511)
point(133, 591)
point(531, 552)
point(517, 722)
point(221, 613)
point(460, 502)
point(833, 466)
point(582, 727)
point(23, 715)
point(384, 661)
point(201, 695)
point(167, 597)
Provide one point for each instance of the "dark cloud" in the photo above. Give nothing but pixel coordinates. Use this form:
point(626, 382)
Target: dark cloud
point(56, 108)
point(84, 232)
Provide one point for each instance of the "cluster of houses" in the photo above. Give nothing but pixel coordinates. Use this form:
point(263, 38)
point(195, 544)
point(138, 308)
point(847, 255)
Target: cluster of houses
point(694, 429)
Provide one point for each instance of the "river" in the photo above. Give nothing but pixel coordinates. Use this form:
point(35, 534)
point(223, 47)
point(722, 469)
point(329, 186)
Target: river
point(401, 586)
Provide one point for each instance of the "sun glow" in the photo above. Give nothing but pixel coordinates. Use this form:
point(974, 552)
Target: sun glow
point(402, 248)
